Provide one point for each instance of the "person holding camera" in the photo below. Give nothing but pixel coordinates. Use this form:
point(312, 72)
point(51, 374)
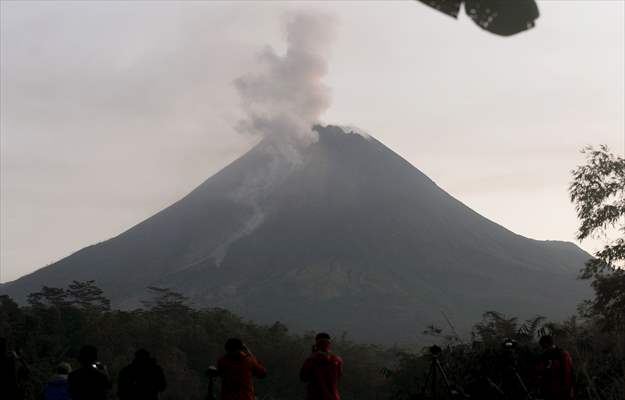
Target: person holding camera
point(90, 381)
point(322, 370)
point(236, 369)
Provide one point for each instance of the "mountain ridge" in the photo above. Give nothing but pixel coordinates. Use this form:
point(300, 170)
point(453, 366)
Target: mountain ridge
point(316, 236)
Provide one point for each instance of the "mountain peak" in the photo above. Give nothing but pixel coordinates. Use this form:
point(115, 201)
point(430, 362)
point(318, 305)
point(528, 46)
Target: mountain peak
point(332, 235)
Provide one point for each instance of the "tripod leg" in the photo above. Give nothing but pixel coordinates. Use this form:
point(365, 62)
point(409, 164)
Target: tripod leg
point(211, 395)
point(433, 374)
point(441, 369)
point(429, 383)
point(522, 384)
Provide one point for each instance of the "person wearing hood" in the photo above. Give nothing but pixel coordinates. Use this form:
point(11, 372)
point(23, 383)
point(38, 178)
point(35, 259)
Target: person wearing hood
point(322, 370)
point(56, 388)
point(143, 379)
point(236, 370)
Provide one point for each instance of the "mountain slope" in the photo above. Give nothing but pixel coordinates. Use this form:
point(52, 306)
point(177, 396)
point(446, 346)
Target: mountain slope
point(344, 236)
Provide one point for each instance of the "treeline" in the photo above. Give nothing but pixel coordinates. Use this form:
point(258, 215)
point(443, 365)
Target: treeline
point(185, 341)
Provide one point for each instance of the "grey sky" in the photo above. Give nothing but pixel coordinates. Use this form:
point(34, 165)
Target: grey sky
point(112, 111)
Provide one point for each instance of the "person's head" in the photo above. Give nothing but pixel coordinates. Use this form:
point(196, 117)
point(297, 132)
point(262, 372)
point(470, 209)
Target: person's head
point(234, 345)
point(88, 355)
point(63, 368)
point(142, 355)
point(323, 341)
point(546, 342)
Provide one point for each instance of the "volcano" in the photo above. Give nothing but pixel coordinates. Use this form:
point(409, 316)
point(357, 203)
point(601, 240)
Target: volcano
point(341, 235)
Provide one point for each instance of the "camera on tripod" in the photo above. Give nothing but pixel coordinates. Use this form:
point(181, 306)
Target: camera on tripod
point(435, 351)
point(212, 372)
point(437, 372)
point(511, 356)
point(510, 344)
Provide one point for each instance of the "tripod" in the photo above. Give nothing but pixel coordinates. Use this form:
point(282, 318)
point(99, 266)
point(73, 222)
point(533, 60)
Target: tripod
point(521, 383)
point(212, 374)
point(211, 395)
point(432, 378)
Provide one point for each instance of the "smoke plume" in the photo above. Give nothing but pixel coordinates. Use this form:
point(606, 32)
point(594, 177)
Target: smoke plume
point(285, 99)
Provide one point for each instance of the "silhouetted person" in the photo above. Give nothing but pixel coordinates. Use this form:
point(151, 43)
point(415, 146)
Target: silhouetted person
point(91, 380)
point(57, 387)
point(143, 379)
point(555, 371)
point(322, 371)
point(236, 369)
point(8, 373)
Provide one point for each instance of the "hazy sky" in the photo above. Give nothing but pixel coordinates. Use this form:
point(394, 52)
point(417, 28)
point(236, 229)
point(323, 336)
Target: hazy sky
point(111, 111)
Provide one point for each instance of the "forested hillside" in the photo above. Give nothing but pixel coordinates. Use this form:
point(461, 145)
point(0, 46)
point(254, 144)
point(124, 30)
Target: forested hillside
point(186, 341)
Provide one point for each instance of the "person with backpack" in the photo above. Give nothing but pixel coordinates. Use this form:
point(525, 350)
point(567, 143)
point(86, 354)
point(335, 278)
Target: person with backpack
point(322, 371)
point(555, 371)
point(236, 370)
point(143, 379)
point(56, 388)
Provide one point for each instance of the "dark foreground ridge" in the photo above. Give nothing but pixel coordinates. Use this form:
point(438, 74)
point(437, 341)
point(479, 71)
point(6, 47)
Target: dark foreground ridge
point(346, 235)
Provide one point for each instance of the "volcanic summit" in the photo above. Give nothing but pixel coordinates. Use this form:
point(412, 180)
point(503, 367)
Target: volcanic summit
point(341, 235)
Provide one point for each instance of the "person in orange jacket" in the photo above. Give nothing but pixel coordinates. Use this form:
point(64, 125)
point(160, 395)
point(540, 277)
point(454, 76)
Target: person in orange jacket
point(322, 371)
point(236, 369)
point(555, 371)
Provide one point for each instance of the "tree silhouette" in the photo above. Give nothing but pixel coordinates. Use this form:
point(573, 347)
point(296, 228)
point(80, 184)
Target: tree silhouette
point(598, 192)
point(88, 296)
point(166, 301)
point(501, 17)
point(48, 297)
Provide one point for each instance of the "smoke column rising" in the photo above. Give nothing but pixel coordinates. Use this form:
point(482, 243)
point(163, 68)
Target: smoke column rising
point(285, 99)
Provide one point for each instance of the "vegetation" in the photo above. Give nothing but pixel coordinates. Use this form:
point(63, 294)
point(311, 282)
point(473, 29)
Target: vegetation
point(598, 191)
point(185, 341)
point(57, 322)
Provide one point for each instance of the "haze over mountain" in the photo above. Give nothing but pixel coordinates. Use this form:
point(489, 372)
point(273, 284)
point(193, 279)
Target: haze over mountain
point(341, 235)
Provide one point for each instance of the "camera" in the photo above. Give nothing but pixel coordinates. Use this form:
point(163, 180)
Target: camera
point(509, 344)
point(212, 372)
point(435, 351)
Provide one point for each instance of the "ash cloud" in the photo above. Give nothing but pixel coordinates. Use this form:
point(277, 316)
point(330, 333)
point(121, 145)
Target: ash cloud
point(286, 97)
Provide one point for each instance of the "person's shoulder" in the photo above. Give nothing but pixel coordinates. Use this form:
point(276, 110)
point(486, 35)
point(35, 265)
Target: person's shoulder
point(80, 375)
point(336, 358)
point(127, 370)
point(565, 354)
point(224, 360)
point(75, 373)
point(558, 351)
